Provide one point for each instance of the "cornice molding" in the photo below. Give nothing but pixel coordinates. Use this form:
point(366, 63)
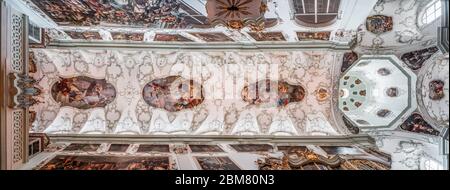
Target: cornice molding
point(362, 139)
point(310, 45)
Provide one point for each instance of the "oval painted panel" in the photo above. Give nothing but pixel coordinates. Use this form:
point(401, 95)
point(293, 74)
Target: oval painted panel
point(173, 93)
point(436, 90)
point(269, 92)
point(83, 92)
point(378, 24)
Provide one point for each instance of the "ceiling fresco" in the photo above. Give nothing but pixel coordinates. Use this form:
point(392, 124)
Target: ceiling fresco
point(159, 13)
point(212, 37)
point(378, 24)
point(171, 38)
point(415, 59)
point(84, 35)
point(173, 93)
point(348, 60)
point(392, 27)
point(216, 163)
point(220, 156)
point(434, 94)
point(268, 36)
point(416, 124)
point(80, 162)
point(274, 93)
point(83, 92)
point(201, 21)
point(305, 36)
point(221, 112)
point(369, 103)
point(127, 36)
point(379, 74)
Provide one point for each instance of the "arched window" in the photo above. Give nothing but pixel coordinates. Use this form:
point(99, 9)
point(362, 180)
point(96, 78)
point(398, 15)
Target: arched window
point(431, 12)
point(316, 13)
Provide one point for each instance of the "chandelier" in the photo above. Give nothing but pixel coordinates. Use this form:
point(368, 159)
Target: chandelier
point(237, 14)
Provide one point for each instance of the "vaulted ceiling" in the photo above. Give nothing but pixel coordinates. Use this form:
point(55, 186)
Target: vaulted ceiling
point(187, 20)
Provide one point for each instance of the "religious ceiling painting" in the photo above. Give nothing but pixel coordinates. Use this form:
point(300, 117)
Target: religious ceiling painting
point(216, 163)
point(348, 59)
point(205, 148)
point(149, 148)
point(384, 113)
point(127, 36)
point(415, 59)
point(384, 72)
point(434, 94)
point(308, 160)
point(85, 35)
point(272, 93)
point(308, 36)
point(436, 90)
point(362, 164)
point(352, 94)
point(212, 37)
point(171, 38)
point(392, 92)
point(304, 160)
point(173, 93)
point(341, 150)
point(82, 147)
point(415, 123)
point(154, 14)
point(83, 92)
point(180, 149)
point(268, 36)
point(322, 94)
point(118, 147)
point(237, 14)
point(379, 24)
point(252, 147)
point(142, 105)
point(62, 162)
point(291, 149)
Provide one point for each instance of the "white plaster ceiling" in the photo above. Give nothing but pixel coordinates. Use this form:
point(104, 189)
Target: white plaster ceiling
point(352, 13)
point(376, 98)
point(407, 34)
point(411, 151)
point(436, 69)
point(129, 70)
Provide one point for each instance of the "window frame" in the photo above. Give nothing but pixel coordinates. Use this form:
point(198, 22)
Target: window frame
point(316, 14)
point(426, 14)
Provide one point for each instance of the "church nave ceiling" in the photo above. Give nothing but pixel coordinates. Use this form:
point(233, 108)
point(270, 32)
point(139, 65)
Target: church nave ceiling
point(221, 108)
point(238, 20)
point(239, 69)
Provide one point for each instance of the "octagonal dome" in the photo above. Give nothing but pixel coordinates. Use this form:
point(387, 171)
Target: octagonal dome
point(377, 92)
